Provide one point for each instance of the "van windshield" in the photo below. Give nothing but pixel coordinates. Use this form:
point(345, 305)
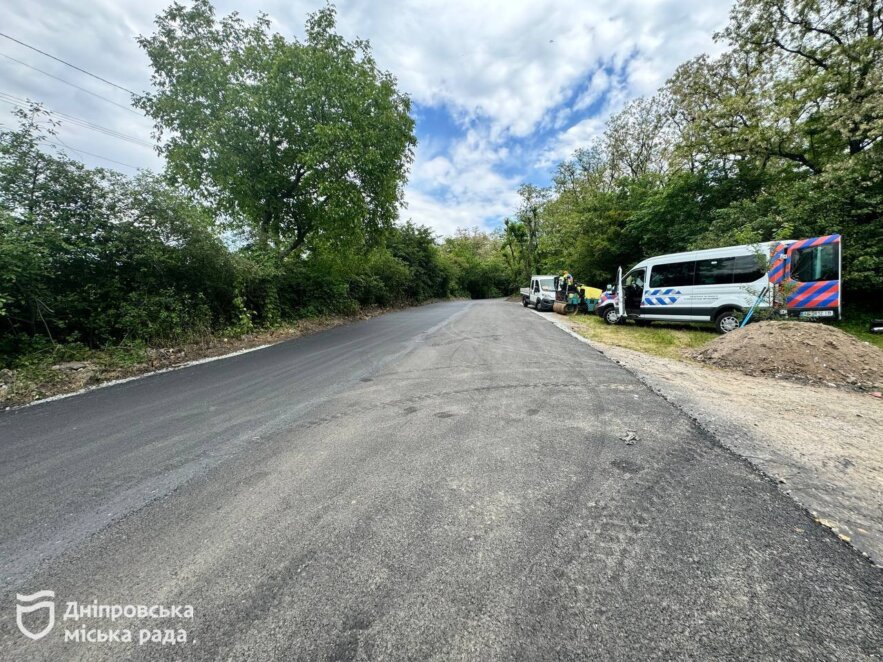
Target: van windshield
point(815, 263)
point(547, 284)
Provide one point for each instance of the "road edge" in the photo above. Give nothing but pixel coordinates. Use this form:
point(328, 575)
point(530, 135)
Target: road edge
point(653, 388)
point(210, 359)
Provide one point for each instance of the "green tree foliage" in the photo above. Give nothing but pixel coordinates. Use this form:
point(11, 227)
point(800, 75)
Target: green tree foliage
point(306, 143)
point(779, 137)
point(476, 264)
point(514, 249)
point(90, 256)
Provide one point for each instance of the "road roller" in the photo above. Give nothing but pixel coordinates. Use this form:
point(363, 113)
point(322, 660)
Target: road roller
point(573, 297)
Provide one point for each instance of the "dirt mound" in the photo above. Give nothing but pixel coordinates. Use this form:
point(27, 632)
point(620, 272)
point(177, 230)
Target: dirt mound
point(798, 350)
point(514, 297)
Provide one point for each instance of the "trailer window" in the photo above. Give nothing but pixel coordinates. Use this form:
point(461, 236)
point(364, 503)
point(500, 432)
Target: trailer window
point(677, 274)
point(718, 271)
point(815, 263)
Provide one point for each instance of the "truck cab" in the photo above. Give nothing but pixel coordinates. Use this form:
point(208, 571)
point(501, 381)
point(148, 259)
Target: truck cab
point(541, 293)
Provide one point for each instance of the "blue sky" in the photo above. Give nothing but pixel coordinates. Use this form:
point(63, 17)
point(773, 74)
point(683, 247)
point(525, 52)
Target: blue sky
point(502, 90)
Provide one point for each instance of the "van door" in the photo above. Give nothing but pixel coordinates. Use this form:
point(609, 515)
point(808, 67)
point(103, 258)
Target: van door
point(669, 291)
point(633, 290)
point(813, 266)
point(713, 286)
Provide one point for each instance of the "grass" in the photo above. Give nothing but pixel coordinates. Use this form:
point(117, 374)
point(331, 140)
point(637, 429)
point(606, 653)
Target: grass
point(857, 325)
point(671, 339)
point(666, 339)
point(31, 376)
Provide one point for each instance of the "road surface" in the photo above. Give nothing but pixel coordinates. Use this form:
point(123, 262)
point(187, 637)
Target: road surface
point(445, 482)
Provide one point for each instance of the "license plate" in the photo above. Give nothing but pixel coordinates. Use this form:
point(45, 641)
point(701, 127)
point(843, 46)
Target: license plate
point(817, 313)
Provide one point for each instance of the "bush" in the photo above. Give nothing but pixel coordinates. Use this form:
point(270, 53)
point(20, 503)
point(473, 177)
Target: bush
point(164, 317)
point(92, 259)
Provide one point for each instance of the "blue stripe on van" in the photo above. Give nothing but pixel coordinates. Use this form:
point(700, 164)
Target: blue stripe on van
point(660, 297)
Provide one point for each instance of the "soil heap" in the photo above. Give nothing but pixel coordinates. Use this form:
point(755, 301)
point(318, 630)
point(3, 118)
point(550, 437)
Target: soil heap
point(803, 351)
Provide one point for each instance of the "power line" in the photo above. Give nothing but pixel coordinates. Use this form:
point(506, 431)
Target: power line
point(72, 66)
point(97, 156)
point(62, 80)
point(76, 121)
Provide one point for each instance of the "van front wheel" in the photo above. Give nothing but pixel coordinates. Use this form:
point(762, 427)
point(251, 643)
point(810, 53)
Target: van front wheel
point(611, 315)
point(727, 321)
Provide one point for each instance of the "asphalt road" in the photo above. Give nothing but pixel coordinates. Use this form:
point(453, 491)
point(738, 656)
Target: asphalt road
point(446, 482)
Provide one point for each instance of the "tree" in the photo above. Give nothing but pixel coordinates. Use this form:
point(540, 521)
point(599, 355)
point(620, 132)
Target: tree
point(307, 142)
point(827, 61)
point(801, 86)
point(513, 248)
point(414, 245)
point(529, 215)
point(477, 264)
point(637, 139)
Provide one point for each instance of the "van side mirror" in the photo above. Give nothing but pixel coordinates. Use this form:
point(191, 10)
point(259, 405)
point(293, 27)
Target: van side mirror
point(609, 287)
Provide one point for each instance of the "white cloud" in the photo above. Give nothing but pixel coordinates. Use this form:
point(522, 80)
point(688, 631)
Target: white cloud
point(446, 216)
point(504, 68)
point(581, 134)
point(463, 189)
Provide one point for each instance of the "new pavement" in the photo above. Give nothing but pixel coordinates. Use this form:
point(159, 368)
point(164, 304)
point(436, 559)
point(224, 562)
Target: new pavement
point(446, 482)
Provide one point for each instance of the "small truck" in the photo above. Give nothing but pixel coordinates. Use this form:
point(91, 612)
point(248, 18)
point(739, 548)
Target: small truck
point(541, 293)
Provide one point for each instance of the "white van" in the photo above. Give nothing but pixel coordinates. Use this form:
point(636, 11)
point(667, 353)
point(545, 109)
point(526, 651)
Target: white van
point(721, 284)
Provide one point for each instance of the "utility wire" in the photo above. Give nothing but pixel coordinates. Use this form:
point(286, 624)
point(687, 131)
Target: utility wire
point(73, 120)
point(62, 80)
point(76, 121)
point(97, 156)
point(72, 66)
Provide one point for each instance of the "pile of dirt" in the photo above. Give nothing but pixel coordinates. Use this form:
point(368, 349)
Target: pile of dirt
point(798, 350)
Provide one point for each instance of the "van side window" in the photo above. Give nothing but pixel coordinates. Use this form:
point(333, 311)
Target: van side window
point(815, 263)
point(747, 269)
point(717, 271)
point(676, 274)
point(635, 279)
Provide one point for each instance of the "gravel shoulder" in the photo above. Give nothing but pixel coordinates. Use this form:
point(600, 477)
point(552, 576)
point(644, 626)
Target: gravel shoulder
point(821, 444)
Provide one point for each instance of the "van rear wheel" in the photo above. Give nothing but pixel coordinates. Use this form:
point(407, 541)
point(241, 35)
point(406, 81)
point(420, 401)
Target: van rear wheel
point(727, 321)
point(524, 301)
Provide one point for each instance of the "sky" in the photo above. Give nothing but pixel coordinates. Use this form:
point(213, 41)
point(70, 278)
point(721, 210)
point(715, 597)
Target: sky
point(501, 90)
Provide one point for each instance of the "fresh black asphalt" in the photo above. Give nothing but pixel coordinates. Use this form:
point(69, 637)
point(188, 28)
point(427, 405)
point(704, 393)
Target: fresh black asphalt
point(445, 482)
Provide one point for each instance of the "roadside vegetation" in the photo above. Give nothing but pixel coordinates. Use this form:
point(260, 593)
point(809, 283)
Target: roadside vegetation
point(858, 324)
point(286, 213)
point(280, 201)
point(779, 137)
point(669, 340)
point(672, 340)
